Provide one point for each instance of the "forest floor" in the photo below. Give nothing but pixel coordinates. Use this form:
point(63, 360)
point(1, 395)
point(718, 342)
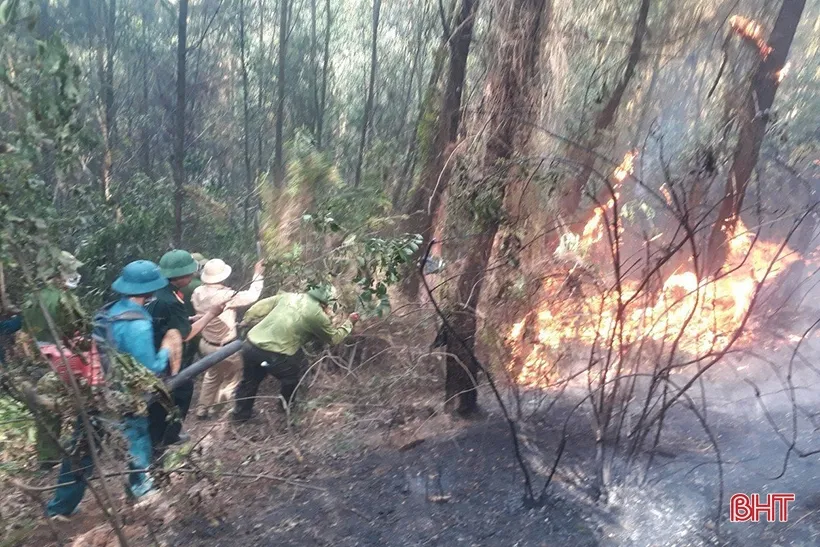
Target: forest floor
point(373, 461)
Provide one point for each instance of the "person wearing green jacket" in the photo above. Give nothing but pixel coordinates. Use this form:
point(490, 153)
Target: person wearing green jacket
point(70, 321)
point(285, 323)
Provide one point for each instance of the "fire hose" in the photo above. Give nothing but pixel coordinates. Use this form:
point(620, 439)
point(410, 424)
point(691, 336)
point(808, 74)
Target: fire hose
point(200, 366)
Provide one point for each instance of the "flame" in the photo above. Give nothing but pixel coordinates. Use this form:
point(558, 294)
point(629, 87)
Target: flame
point(747, 28)
point(751, 30)
point(626, 168)
point(698, 315)
point(783, 72)
point(593, 231)
point(667, 195)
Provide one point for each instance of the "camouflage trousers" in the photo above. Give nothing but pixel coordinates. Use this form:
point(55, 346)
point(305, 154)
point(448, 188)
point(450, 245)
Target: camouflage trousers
point(50, 421)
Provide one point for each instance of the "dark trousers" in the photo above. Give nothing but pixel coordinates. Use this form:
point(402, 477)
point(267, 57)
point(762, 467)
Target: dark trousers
point(285, 368)
point(163, 432)
point(77, 468)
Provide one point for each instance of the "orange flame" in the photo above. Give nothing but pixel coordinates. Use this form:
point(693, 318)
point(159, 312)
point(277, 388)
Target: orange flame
point(698, 315)
point(626, 168)
point(751, 30)
point(593, 230)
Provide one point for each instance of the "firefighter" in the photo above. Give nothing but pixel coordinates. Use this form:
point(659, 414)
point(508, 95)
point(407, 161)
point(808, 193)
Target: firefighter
point(286, 323)
point(129, 338)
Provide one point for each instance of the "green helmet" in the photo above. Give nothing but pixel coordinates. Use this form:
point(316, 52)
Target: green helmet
point(177, 263)
point(68, 263)
point(200, 259)
point(321, 293)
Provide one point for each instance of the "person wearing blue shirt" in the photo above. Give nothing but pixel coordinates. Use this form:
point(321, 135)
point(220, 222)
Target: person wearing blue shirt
point(132, 333)
point(8, 327)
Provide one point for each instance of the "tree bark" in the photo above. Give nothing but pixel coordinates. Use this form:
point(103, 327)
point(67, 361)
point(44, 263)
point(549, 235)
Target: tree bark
point(512, 88)
point(314, 72)
point(320, 118)
point(754, 116)
point(145, 145)
point(429, 103)
point(433, 181)
point(260, 101)
point(107, 85)
point(278, 158)
point(584, 156)
point(371, 90)
point(179, 122)
point(246, 134)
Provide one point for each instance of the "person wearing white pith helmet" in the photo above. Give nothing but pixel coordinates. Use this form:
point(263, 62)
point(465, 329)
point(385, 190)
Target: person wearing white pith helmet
point(220, 381)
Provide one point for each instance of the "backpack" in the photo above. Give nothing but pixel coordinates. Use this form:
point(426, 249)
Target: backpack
point(102, 336)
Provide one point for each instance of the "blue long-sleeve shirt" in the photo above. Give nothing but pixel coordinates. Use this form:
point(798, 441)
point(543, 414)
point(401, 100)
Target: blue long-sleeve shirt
point(9, 326)
point(136, 337)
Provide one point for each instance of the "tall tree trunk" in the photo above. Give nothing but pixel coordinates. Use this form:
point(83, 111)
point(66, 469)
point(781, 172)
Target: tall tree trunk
point(584, 156)
point(107, 85)
point(278, 158)
point(371, 90)
point(246, 133)
point(429, 101)
point(314, 73)
point(320, 117)
point(260, 101)
point(754, 117)
point(512, 87)
point(433, 182)
point(179, 122)
point(145, 145)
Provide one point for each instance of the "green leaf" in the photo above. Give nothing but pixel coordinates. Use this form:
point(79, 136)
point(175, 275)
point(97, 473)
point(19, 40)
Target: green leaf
point(8, 11)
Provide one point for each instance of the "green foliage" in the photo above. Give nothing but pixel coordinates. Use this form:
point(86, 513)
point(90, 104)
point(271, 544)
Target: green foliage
point(478, 202)
point(16, 434)
point(380, 265)
point(317, 228)
point(42, 150)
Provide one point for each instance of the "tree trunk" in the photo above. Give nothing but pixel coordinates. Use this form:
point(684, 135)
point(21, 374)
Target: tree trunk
point(107, 84)
point(278, 158)
point(246, 133)
point(145, 145)
point(433, 182)
point(260, 102)
point(754, 116)
point(314, 73)
point(368, 105)
point(426, 123)
point(512, 87)
point(320, 118)
point(179, 122)
point(584, 156)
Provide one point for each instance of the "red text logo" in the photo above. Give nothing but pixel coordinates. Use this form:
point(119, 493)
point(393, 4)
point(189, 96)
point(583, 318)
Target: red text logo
point(745, 508)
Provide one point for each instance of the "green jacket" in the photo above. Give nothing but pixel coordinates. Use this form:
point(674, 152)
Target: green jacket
point(289, 321)
point(64, 309)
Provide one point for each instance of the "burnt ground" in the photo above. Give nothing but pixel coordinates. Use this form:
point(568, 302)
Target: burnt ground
point(463, 487)
point(460, 490)
point(369, 481)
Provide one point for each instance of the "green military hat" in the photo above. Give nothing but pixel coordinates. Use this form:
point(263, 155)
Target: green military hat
point(200, 259)
point(322, 294)
point(177, 263)
point(68, 263)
